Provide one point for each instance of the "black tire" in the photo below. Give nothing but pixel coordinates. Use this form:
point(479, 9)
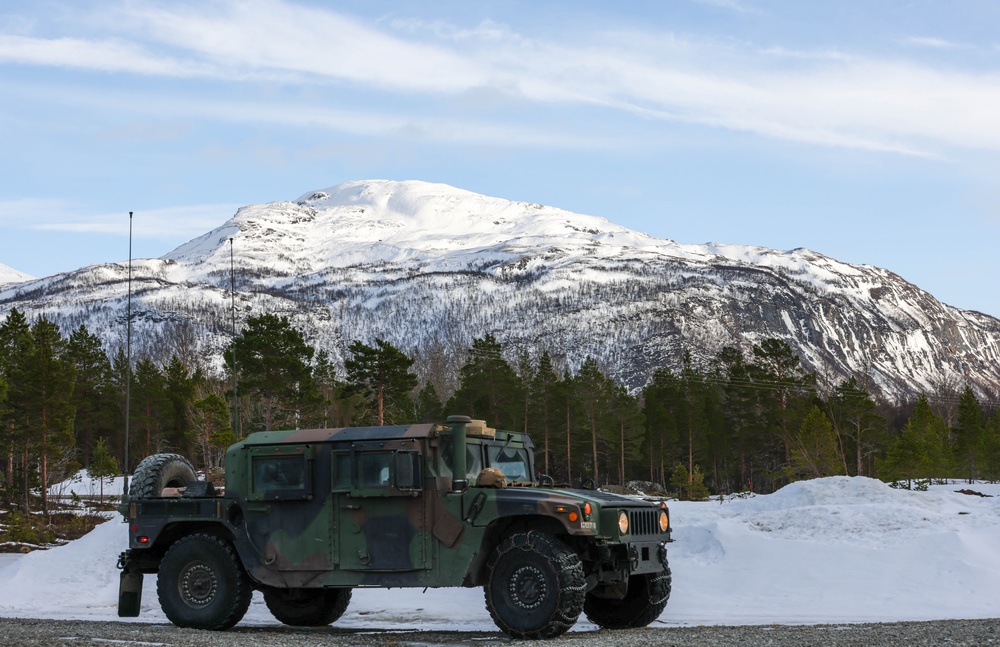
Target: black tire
point(202, 585)
point(534, 586)
point(159, 471)
point(643, 603)
point(307, 607)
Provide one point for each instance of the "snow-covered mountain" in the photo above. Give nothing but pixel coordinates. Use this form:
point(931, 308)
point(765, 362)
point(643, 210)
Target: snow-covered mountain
point(10, 275)
point(429, 267)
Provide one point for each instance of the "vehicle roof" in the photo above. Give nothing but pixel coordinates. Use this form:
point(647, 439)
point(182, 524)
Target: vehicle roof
point(301, 436)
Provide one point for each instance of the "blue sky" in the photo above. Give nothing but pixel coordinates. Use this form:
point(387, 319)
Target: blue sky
point(867, 131)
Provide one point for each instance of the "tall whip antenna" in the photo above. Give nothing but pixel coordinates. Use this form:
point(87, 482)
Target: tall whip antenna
point(128, 354)
point(232, 296)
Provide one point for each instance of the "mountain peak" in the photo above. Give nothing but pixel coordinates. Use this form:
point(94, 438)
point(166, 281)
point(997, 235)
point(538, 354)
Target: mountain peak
point(10, 275)
point(382, 221)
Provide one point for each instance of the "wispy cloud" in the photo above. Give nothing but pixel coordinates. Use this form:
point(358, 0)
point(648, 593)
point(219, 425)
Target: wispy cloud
point(98, 55)
point(160, 224)
point(830, 99)
point(933, 43)
point(732, 5)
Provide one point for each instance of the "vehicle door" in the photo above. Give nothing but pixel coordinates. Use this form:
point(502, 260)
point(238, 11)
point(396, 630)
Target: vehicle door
point(383, 515)
point(289, 518)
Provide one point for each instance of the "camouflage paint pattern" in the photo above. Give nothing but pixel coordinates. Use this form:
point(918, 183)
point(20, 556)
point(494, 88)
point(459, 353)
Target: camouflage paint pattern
point(375, 506)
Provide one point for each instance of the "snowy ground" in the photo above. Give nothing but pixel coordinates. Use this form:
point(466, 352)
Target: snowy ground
point(826, 551)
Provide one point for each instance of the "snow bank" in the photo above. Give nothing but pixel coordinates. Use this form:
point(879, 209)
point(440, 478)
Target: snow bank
point(837, 550)
point(825, 551)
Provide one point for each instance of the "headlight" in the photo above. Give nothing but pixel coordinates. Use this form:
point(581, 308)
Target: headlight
point(623, 522)
point(664, 521)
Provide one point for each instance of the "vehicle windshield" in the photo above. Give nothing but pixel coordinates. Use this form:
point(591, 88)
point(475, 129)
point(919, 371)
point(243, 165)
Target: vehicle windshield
point(512, 461)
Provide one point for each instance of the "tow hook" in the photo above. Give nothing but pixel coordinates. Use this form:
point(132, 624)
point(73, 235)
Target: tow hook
point(661, 552)
point(633, 557)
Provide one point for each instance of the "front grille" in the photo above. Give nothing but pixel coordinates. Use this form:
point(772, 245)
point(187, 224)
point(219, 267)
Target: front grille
point(644, 522)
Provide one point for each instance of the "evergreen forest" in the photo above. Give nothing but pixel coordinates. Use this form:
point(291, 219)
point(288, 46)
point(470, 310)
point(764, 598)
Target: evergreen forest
point(743, 422)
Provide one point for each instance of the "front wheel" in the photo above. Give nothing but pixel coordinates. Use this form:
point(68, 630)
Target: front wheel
point(534, 586)
point(202, 584)
point(307, 607)
point(643, 603)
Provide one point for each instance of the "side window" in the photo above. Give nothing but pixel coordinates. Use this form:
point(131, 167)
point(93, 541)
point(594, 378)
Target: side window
point(382, 473)
point(407, 471)
point(342, 471)
point(280, 477)
point(373, 470)
point(473, 459)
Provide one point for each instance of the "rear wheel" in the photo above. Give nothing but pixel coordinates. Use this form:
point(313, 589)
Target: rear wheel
point(202, 585)
point(643, 603)
point(159, 471)
point(534, 586)
point(307, 607)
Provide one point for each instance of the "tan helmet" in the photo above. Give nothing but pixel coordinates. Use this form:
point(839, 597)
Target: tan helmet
point(491, 477)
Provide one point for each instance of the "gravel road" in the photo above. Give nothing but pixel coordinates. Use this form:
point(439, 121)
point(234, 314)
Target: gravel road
point(953, 633)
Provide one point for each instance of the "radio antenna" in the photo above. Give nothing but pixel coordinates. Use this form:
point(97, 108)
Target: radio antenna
point(128, 355)
point(232, 297)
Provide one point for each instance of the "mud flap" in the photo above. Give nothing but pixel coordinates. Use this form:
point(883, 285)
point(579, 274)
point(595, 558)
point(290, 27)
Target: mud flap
point(129, 595)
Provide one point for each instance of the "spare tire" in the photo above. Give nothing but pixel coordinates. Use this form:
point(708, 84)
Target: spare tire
point(160, 471)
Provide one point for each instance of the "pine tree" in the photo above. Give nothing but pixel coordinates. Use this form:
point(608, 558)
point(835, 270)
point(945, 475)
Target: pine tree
point(969, 435)
point(660, 397)
point(745, 414)
point(93, 392)
point(989, 461)
point(570, 414)
point(428, 405)
point(629, 421)
point(787, 390)
point(149, 406)
point(16, 348)
point(102, 464)
point(815, 452)
point(489, 387)
point(690, 486)
point(212, 420)
point(273, 365)
point(854, 416)
point(335, 406)
point(381, 373)
point(50, 380)
point(594, 391)
point(180, 385)
point(919, 451)
point(543, 406)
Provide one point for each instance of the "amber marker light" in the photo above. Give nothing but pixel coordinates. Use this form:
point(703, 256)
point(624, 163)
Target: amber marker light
point(587, 510)
point(573, 516)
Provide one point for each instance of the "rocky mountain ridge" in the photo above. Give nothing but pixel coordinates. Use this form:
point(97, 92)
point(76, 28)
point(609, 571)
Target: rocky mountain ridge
point(429, 267)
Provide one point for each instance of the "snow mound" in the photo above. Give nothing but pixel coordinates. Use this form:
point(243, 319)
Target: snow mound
point(825, 551)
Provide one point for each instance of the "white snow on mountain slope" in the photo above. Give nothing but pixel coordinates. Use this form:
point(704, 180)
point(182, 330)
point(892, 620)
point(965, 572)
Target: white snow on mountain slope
point(826, 551)
point(428, 266)
point(444, 229)
point(10, 275)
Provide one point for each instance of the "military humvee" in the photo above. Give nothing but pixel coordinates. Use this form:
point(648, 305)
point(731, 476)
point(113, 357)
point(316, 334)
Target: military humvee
point(307, 516)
